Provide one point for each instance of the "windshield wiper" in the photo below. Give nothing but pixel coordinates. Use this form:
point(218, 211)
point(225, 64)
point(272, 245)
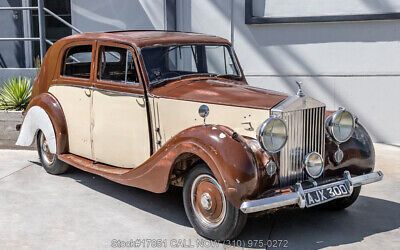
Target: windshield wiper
point(163, 81)
point(166, 80)
point(226, 75)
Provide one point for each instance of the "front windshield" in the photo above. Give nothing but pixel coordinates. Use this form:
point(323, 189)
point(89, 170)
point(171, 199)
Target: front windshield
point(169, 62)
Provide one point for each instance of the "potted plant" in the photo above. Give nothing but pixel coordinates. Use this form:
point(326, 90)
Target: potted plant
point(14, 98)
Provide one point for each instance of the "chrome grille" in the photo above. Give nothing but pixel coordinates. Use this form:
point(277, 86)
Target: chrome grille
point(305, 135)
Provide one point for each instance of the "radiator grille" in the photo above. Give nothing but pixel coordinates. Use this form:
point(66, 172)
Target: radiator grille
point(305, 135)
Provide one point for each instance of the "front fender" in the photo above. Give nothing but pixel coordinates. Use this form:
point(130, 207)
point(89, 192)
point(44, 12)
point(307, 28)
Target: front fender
point(230, 159)
point(358, 154)
point(225, 152)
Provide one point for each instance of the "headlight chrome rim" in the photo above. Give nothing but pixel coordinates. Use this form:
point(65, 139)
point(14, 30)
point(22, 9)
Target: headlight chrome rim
point(262, 128)
point(306, 159)
point(330, 127)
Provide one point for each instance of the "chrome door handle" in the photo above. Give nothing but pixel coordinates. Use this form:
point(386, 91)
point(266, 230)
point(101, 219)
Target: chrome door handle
point(88, 93)
point(142, 105)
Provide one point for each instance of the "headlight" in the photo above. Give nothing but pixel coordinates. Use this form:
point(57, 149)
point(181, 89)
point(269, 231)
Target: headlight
point(314, 164)
point(340, 125)
point(272, 134)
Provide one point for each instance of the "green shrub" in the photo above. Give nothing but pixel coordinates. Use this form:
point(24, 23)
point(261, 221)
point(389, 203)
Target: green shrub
point(15, 94)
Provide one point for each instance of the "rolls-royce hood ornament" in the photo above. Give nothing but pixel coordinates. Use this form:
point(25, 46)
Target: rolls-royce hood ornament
point(300, 92)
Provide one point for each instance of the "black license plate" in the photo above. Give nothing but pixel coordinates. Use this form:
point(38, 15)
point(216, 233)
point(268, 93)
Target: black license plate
point(326, 194)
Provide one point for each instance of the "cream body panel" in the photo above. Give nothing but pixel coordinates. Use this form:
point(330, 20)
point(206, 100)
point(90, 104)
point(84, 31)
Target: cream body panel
point(120, 129)
point(175, 116)
point(76, 104)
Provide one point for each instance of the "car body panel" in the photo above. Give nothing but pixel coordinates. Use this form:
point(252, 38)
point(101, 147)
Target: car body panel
point(37, 119)
point(76, 105)
point(120, 129)
point(173, 116)
point(53, 109)
point(220, 91)
point(358, 154)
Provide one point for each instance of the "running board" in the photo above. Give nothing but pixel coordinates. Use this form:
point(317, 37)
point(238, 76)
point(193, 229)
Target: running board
point(91, 166)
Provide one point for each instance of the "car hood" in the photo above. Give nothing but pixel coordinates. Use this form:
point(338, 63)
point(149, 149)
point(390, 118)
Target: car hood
point(224, 92)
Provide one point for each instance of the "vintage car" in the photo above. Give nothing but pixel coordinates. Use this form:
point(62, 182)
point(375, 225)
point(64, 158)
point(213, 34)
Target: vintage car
point(151, 109)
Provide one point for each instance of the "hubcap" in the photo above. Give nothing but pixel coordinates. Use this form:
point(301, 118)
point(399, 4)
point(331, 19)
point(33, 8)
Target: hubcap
point(45, 151)
point(205, 201)
point(208, 201)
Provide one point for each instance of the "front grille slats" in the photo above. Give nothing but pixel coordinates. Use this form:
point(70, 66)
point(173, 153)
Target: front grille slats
point(305, 135)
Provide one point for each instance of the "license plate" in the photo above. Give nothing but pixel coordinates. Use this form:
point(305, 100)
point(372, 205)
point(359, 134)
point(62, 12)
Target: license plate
point(326, 194)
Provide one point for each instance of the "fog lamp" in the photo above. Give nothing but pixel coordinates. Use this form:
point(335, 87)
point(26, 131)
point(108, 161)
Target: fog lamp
point(314, 164)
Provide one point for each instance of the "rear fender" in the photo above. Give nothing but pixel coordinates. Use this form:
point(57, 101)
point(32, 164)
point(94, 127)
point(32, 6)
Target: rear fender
point(37, 119)
point(45, 113)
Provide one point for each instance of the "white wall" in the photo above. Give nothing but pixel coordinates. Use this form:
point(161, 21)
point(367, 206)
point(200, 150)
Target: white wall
point(107, 15)
point(351, 64)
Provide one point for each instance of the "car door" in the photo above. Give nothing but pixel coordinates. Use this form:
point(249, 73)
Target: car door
point(72, 88)
point(120, 124)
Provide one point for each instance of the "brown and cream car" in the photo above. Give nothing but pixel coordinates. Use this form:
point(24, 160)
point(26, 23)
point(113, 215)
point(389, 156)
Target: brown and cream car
point(151, 109)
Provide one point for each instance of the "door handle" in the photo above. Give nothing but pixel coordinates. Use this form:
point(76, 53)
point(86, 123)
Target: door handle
point(142, 105)
point(88, 93)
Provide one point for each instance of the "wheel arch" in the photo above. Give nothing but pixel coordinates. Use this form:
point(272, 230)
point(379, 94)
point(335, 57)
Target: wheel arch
point(45, 113)
point(181, 165)
point(224, 152)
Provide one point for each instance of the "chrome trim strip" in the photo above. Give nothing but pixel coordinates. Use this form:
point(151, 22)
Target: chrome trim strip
point(298, 197)
point(117, 93)
point(71, 85)
point(105, 91)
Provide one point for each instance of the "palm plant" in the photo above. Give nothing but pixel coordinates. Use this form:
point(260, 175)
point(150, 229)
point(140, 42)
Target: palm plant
point(15, 94)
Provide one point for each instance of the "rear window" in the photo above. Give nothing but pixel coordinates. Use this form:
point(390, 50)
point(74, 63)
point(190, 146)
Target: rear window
point(77, 62)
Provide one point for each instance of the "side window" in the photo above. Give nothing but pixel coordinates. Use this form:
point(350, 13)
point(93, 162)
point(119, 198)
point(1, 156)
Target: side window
point(77, 61)
point(117, 65)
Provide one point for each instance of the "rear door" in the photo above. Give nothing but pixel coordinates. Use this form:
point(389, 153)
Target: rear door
point(72, 88)
point(120, 124)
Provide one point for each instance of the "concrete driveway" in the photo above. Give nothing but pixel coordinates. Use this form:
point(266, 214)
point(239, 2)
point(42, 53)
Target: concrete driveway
point(79, 210)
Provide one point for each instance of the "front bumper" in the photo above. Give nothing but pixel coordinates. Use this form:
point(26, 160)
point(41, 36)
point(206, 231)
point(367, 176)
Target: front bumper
point(298, 196)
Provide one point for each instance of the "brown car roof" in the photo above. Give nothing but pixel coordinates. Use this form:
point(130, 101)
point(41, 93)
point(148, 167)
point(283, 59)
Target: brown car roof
point(146, 38)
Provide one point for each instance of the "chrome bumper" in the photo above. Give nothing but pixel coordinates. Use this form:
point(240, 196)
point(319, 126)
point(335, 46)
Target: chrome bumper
point(298, 197)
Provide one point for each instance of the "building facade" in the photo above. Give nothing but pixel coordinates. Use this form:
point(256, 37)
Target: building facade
point(344, 51)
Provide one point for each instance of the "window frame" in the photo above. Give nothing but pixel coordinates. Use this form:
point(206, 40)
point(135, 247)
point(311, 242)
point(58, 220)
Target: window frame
point(240, 77)
point(66, 48)
point(115, 85)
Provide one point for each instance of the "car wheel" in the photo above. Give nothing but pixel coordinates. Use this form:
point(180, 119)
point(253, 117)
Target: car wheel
point(50, 162)
point(342, 203)
point(208, 210)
